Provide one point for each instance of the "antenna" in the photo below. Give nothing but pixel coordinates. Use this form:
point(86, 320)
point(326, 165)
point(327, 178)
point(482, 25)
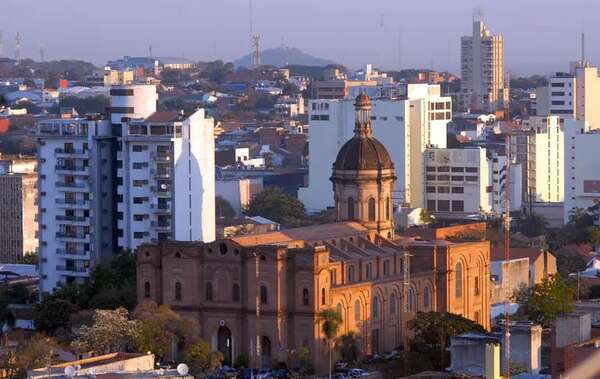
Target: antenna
point(150, 51)
point(582, 47)
point(477, 14)
point(18, 48)
point(256, 50)
point(1, 43)
point(399, 48)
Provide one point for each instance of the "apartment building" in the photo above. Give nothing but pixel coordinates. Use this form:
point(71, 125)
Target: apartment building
point(463, 182)
point(483, 82)
point(558, 97)
point(166, 179)
point(540, 148)
point(18, 209)
point(75, 186)
point(582, 166)
point(405, 127)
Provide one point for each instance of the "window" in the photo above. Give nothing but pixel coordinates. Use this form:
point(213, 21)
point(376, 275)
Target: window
point(138, 235)
point(263, 295)
point(458, 190)
point(458, 273)
point(431, 205)
point(139, 183)
point(426, 296)
point(236, 292)
point(209, 291)
point(477, 289)
point(411, 295)
point(477, 317)
point(305, 296)
point(350, 208)
point(177, 291)
point(393, 304)
point(139, 200)
point(323, 302)
point(443, 189)
point(375, 307)
point(333, 277)
point(458, 169)
point(139, 165)
point(338, 310)
point(430, 169)
point(371, 209)
point(387, 208)
point(444, 169)
point(430, 189)
point(443, 177)
point(369, 271)
point(471, 169)
point(139, 148)
point(458, 206)
point(443, 205)
point(147, 290)
point(350, 274)
point(386, 268)
point(458, 178)
point(471, 178)
point(357, 310)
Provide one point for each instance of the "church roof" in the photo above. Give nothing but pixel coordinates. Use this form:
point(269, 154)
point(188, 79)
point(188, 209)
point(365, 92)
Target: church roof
point(363, 153)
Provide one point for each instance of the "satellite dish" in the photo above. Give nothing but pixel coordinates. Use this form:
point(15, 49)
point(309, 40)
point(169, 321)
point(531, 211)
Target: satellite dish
point(182, 369)
point(69, 371)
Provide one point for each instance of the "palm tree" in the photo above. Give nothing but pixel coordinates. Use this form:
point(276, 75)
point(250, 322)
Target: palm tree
point(330, 323)
point(347, 345)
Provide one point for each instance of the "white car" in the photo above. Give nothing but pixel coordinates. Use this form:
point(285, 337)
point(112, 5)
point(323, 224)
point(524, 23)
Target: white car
point(357, 373)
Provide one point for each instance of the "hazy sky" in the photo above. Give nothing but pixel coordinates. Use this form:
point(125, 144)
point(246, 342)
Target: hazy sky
point(540, 35)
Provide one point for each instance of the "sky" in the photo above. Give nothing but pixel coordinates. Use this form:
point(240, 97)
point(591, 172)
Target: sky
point(541, 36)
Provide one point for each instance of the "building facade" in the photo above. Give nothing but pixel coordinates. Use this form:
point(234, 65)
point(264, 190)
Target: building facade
point(405, 127)
point(261, 295)
point(483, 81)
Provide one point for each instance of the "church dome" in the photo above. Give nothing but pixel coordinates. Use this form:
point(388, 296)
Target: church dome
point(363, 153)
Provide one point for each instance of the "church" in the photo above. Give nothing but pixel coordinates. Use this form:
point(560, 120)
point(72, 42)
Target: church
point(260, 295)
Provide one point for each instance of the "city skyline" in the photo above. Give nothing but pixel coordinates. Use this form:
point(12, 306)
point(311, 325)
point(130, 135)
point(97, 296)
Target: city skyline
point(208, 31)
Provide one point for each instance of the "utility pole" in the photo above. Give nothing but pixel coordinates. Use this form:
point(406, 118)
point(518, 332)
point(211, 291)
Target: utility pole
point(18, 48)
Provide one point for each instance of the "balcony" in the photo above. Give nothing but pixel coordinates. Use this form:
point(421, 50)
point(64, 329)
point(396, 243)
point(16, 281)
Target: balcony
point(70, 153)
point(73, 204)
point(72, 169)
point(161, 225)
point(161, 157)
point(73, 271)
point(72, 186)
point(73, 237)
point(161, 208)
point(72, 220)
point(73, 254)
point(161, 174)
point(160, 191)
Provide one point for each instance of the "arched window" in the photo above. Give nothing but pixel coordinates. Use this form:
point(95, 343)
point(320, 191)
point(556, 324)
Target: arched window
point(351, 206)
point(357, 310)
point(387, 208)
point(338, 309)
point(209, 291)
point(393, 304)
point(426, 297)
point(323, 302)
point(458, 272)
point(147, 290)
point(411, 295)
point(333, 277)
point(369, 271)
point(375, 307)
point(350, 274)
point(386, 268)
point(371, 209)
point(263, 295)
point(177, 291)
point(236, 292)
point(305, 296)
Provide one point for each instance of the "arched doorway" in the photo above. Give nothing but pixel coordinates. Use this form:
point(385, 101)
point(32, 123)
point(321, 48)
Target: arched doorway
point(265, 351)
point(224, 344)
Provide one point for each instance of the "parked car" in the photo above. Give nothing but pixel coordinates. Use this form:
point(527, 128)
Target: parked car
point(372, 359)
point(264, 374)
point(394, 354)
point(341, 366)
point(357, 373)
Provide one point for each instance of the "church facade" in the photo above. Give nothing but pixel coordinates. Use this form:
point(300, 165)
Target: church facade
point(261, 295)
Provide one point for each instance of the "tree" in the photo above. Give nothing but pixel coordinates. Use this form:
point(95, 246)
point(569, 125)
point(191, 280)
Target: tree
point(223, 208)
point(330, 324)
point(593, 235)
point(432, 333)
point(347, 345)
point(31, 259)
point(111, 331)
point(273, 204)
point(200, 358)
point(425, 216)
point(533, 225)
point(35, 352)
point(546, 300)
point(569, 261)
point(159, 327)
point(52, 315)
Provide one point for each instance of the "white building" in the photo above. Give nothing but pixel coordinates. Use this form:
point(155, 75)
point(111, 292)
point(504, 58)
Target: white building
point(166, 179)
point(582, 166)
point(558, 98)
point(75, 206)
point(239, 192)
point(483, 83)
point(129, 102)
point(540, 148)
point(463, 182)
point(405, 127)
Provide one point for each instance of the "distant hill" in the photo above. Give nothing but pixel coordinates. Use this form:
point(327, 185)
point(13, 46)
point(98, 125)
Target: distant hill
point(283, 57)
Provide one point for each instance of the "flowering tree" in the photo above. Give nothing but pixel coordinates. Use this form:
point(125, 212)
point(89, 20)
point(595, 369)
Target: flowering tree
point(111, 331)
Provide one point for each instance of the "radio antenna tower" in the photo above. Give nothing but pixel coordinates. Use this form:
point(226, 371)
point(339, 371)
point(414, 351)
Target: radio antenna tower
point(254, 41)
point(18, 48)
point(150, 51)
point(1, 43)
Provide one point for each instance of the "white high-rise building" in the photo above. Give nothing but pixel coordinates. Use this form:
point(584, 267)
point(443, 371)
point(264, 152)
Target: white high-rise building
point(582, 166)
point(166, 179)
point(558, 98)
point(75, 206)
point(405, 127)
point(459, 182)
point(483, 82)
